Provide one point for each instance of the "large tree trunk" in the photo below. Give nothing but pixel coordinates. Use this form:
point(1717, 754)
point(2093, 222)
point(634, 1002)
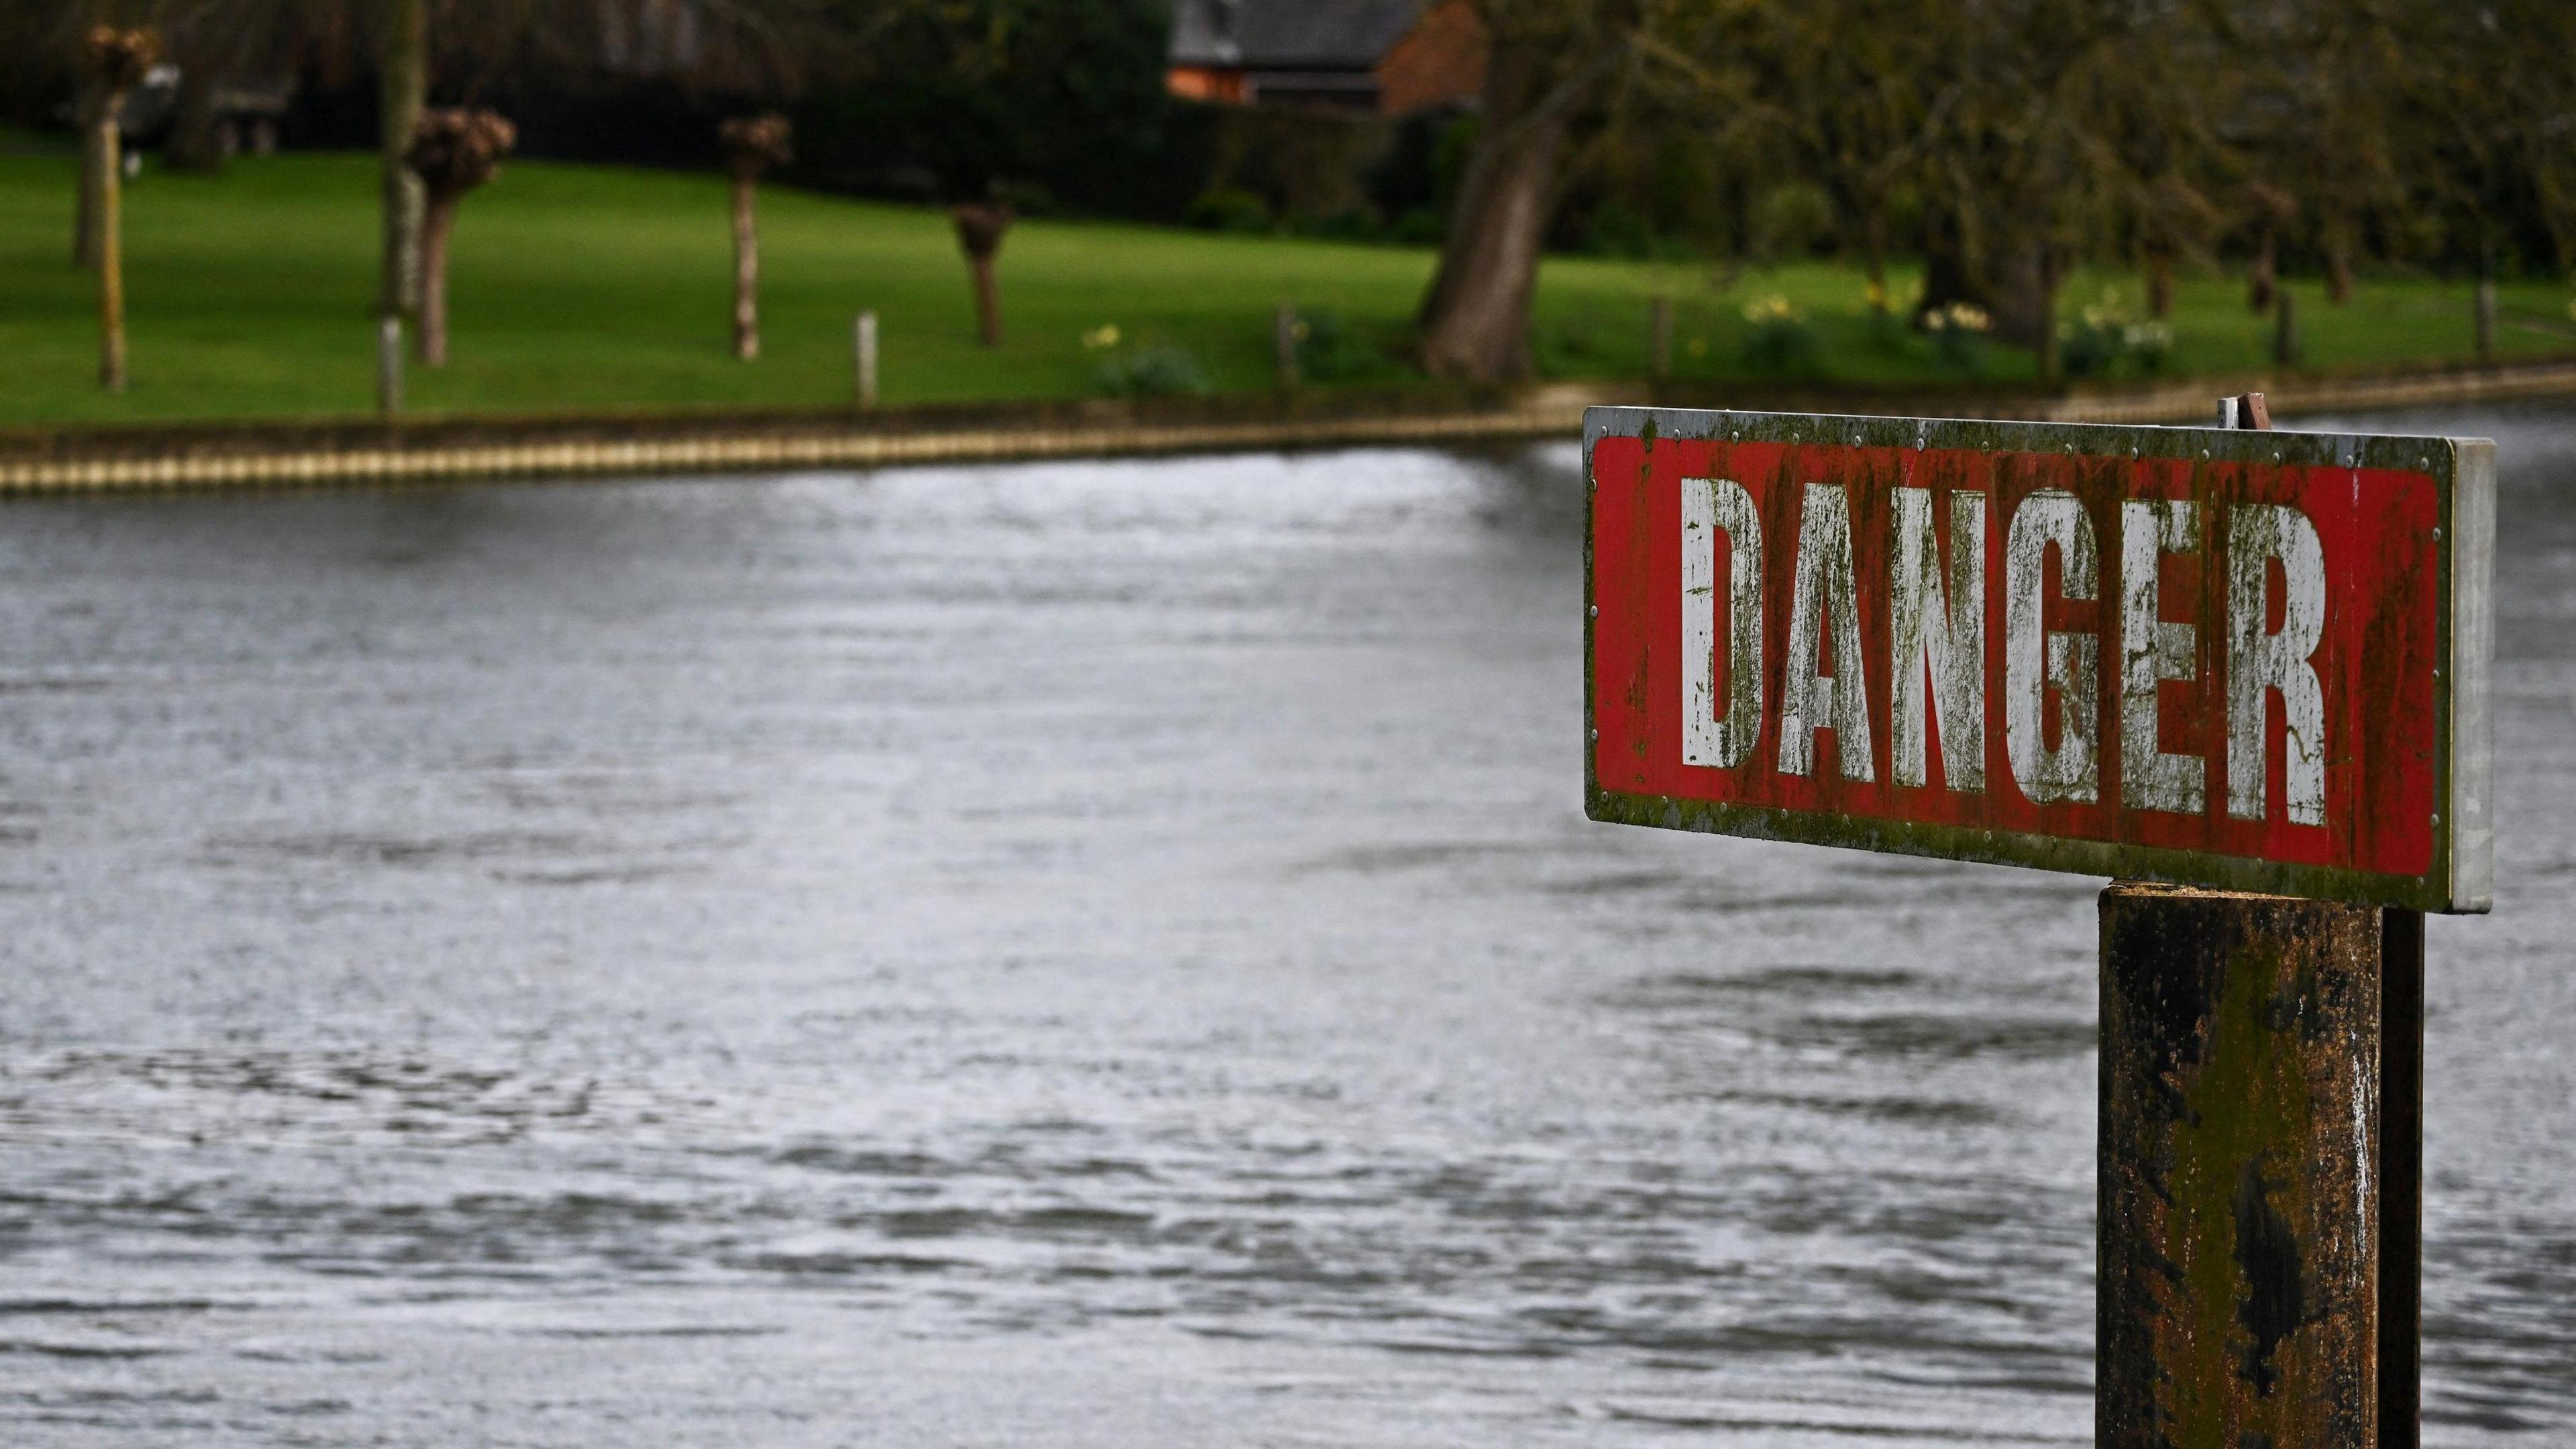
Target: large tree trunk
point(402, 78)
point(437, 223)
point(746, 271)
point(1475, 319)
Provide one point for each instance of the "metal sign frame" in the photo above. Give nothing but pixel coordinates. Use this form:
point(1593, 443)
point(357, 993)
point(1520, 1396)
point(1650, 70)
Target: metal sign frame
point(2460, 877)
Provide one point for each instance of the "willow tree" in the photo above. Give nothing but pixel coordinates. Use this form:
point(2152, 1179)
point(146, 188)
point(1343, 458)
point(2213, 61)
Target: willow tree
point(752, 145)
point(1846, 93)
point(2073, 120)
point(454, 151)
point(2487, 111)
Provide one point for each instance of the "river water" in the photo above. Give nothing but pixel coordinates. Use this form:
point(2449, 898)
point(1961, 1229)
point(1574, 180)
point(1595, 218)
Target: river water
point(1086, 955)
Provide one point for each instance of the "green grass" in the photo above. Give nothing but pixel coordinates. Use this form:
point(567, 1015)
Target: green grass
point(591, 288)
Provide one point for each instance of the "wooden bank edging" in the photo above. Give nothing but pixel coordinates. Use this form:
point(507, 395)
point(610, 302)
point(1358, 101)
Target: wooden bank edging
point(137, 461)
point(751, 451)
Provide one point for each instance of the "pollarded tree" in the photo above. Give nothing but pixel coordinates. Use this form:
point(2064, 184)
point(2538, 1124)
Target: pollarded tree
point(115, 61)
point(413, 44)
point(752, 145)
point(454, 151)
point(981, 225)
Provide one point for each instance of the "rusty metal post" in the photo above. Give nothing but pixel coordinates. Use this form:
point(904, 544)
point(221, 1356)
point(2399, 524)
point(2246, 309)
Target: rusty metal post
point(2261, 1170)
point(2399, 1178)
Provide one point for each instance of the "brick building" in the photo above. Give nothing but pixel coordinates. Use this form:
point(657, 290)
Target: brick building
point(1354, 57)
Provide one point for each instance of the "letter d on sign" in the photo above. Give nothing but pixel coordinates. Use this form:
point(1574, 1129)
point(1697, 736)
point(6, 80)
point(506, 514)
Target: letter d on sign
point(1711, 506)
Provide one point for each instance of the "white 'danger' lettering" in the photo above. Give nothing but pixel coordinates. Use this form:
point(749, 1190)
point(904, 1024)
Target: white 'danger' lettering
point(1826, 601)
point(1711, 506)
point(2260, 662)
point(1940, 637)
point(1937, 636)
point(2153, 650)
point(2065, 661)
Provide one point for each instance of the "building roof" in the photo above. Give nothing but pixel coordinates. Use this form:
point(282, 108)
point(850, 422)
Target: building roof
point(1290, 34)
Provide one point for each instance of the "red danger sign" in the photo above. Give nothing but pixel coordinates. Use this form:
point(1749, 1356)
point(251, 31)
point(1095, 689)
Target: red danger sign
point(2239, 659)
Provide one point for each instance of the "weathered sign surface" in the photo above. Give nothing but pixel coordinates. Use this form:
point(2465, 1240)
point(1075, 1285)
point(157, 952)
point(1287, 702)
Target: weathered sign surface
point(2251, 660)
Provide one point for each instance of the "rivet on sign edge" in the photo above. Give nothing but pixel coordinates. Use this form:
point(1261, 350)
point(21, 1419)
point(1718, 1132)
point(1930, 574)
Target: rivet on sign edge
point(1596, 734)
point(1594, 611)
point(2437, 530)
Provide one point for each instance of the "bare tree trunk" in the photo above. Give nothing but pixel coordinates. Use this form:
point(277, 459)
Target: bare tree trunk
point(94, 167)
point(2046, 278)
point(2160, 284)
point(988, 301)
point(1875, 238)
point(1947, 277)
point(2264, 278)
point(1475, 319)
point(2339, 248)
point(437, 223)
point(746, 271)
point(196, 133)
point(402, 78)
point(2486, 300)
point(980, 228)
point(111, 248)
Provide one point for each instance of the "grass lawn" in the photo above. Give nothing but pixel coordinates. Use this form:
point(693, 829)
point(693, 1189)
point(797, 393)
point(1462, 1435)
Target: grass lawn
point(591, 288)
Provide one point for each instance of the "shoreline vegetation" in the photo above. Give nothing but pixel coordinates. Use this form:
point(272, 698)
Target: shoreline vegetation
point(589, 292)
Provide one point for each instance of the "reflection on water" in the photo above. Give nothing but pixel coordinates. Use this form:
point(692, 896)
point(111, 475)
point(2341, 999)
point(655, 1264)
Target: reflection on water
point(1072, 955)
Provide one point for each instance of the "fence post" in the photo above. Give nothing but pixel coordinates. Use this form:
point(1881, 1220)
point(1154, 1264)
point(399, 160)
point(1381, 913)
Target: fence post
point(2261, 1160)
point(863, 347)
point(389, 365)
point(1659, 339)
point(1283, 344)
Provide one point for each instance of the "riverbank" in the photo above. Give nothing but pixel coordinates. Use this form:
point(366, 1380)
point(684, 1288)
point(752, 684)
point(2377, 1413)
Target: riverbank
point(604, 292)
point(71, 460)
